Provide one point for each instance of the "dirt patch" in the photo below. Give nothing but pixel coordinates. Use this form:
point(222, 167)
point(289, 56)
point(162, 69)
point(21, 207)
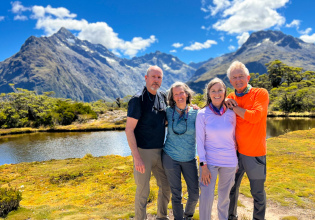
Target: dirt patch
point(274, 211)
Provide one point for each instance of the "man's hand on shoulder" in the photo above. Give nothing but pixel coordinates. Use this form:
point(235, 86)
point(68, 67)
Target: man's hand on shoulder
point(230, 103)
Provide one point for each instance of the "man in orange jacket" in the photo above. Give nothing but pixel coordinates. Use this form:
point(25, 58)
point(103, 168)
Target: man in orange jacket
point(250, 106)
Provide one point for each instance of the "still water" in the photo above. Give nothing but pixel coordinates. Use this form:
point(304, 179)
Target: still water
point(46, 146)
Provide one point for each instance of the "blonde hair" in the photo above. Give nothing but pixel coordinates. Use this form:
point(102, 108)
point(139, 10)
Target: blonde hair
point(237, 65)
point(187, 90)
point(208, 87)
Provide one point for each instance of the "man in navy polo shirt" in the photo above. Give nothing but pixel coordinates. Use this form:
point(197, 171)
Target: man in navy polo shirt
point(145, 131)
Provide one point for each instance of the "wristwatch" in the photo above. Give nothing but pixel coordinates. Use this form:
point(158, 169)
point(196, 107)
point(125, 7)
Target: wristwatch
point(202, 164)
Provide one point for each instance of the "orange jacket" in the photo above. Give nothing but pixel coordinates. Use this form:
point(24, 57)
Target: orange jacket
point(250, 132)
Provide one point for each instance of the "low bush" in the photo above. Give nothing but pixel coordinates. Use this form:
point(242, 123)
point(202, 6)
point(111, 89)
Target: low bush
point(63, 178)
point(9, 200)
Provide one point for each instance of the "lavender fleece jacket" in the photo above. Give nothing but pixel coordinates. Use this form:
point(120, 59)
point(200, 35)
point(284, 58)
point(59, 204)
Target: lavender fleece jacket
point(215, 137)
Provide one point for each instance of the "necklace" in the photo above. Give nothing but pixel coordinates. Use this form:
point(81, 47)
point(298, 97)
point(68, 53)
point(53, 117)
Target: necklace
point(185, 118)
point(150, 97)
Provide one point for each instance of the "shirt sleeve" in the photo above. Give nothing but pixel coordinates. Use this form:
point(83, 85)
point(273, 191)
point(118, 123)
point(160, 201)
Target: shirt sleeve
point(234, 127)
point(134, 108)
point(259, 108)
point(201, 136)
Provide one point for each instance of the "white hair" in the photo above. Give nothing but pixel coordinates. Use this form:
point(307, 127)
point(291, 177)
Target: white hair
point(237, 65)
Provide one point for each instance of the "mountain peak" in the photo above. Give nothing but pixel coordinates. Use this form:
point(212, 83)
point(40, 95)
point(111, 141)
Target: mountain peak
point(277, 37)
point(64, 33)
point(259, 36)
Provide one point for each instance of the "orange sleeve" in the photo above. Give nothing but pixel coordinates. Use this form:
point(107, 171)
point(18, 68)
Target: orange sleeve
point(259, 108)
point(231, 96)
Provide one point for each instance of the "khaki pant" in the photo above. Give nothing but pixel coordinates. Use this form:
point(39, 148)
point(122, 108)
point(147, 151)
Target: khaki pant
point(152, 161)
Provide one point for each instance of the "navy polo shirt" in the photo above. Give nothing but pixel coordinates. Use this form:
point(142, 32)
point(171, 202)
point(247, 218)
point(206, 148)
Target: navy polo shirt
point(150, 111)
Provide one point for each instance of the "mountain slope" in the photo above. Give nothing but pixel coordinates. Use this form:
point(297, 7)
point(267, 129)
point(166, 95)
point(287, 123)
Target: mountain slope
point(80, 70)
point(260, 48)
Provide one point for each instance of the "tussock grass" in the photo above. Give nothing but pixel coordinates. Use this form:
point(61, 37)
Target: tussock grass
point(290, 170)
point(101, 125)
point(291, 114)
point(290, 218)
point(104, 188)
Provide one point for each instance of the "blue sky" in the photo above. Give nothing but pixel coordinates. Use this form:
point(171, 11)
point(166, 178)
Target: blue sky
point(192, 30)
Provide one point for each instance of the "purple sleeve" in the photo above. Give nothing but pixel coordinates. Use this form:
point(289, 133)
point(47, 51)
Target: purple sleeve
point(200, 136)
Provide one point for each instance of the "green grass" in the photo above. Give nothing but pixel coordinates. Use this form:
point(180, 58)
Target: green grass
point(104, 188)
point(290, 169)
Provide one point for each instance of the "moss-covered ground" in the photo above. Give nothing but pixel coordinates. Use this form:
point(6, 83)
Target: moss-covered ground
point(104, 188)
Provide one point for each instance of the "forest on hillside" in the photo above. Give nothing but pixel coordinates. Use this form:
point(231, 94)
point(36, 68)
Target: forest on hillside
point(290, 88)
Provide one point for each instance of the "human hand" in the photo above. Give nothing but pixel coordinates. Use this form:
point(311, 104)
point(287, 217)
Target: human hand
point(205, 175)
point(195, 107)
point(230, 103)
point(139, 165)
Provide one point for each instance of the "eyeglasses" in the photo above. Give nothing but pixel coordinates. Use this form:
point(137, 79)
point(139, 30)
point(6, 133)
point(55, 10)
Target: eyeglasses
point(175, 132)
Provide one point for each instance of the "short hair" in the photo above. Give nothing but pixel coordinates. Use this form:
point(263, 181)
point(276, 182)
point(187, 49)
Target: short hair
point(187, 90)
point(208, 87)
point(153, 67)
point(237, 65)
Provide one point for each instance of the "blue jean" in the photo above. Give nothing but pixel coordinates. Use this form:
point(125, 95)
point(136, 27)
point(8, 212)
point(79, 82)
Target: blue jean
point(173, 170)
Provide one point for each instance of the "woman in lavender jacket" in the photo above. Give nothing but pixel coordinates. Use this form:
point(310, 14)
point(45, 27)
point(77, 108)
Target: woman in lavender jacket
point(215, 135)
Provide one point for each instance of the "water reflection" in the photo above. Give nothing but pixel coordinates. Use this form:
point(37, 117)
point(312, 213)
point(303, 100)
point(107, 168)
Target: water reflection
point(279, 126)
point(46, 146)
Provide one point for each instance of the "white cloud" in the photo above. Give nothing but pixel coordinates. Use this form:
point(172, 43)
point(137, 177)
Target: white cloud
point(222, 38)
point(131, 48)
point(1, 18)
point(20, 17)
point(294, 23)
point(205, 28)
point(242, 38)
point(199, 46)
point(177, 45)
point(52, 19)
point(231, 47)
point(173, 51)
point(219, 6)
point(240, 16)
point(307, 31)
point(18, 8)
point(308, 38)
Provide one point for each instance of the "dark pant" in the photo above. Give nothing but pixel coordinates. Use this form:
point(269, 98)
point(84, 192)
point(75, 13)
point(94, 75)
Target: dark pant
point(173, 170)
point(255, 168)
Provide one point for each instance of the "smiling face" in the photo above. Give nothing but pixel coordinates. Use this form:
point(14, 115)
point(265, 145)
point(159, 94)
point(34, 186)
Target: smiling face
point(180, 97)
point(154, 80)
point(239, 80)
point(217, 95)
